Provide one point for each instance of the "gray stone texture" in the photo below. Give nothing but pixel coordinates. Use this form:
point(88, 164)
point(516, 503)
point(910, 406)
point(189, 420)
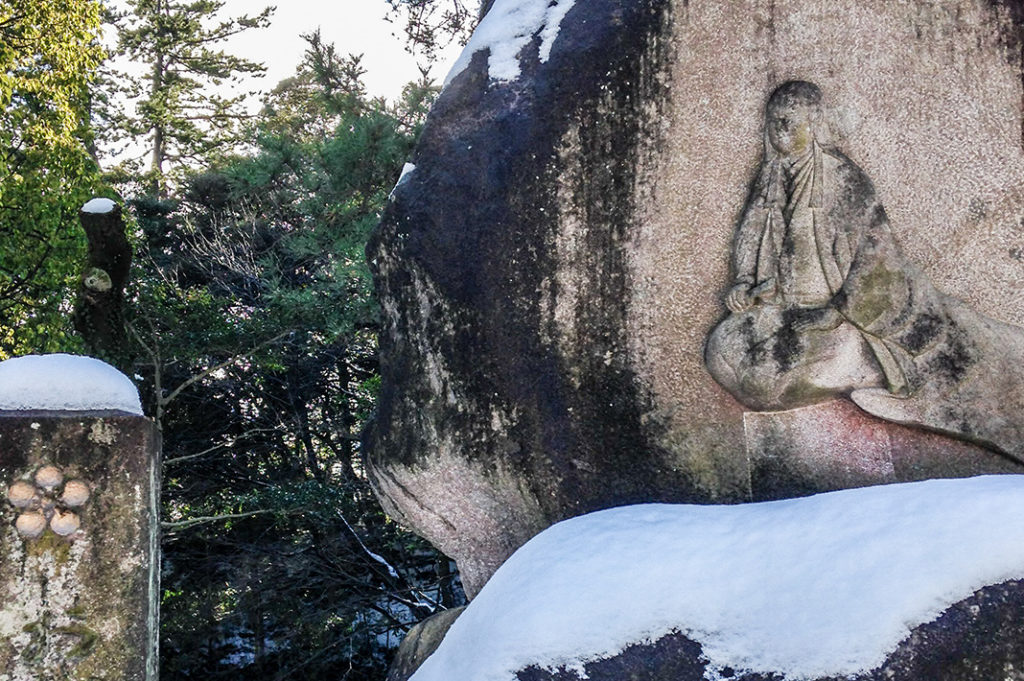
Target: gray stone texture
point(977, 639)
point(420, 642)
point(78, 556)
point(550, 271)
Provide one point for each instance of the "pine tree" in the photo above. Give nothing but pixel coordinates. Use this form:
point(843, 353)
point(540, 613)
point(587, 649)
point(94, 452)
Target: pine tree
point(278, 561)
point(430, 25)
point(183, 120)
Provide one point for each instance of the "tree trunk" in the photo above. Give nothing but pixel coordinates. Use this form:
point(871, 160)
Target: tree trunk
point(158, 186)
point(99, 309)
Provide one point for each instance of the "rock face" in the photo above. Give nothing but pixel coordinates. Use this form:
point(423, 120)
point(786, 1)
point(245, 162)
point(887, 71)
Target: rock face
point(422, 640)
point(552, 268)
point(977, 639)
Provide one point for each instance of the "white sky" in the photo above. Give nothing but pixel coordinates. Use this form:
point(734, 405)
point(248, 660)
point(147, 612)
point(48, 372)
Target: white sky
point(354, 26)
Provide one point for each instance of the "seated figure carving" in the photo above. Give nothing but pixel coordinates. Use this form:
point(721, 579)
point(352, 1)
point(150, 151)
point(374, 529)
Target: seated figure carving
point(824, 304)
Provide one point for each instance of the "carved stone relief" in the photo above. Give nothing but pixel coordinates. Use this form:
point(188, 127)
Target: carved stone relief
point(48, 501)
point(824, 303)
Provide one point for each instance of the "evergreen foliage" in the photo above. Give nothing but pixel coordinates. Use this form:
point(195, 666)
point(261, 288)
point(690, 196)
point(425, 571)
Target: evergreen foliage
point(183, 120)
point(252, 328)
point(48, 55)
point(254, 295)
point(429, 25)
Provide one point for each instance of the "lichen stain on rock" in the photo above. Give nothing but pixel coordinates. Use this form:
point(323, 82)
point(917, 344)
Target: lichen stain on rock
point(103, 433)
point(41, 601)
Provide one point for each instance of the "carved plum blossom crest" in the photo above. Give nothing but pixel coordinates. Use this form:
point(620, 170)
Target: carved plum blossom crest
point(48, 501)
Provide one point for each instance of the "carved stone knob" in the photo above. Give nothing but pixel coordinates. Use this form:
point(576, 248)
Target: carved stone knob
point(49, 477)
point(31, 524)
point(65, 523)
point(76, 493)
point(21, 494)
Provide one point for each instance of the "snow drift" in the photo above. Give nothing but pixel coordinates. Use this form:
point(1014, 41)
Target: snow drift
point(810, 587)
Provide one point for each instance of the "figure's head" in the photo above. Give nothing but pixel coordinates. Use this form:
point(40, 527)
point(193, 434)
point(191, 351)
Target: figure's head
point(792, 117)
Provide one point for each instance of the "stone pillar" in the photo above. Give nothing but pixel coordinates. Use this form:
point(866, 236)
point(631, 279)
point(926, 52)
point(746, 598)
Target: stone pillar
point(79, 563)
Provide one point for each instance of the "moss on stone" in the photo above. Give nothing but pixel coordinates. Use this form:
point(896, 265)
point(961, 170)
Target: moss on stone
point(875, 298)
point(50, 545)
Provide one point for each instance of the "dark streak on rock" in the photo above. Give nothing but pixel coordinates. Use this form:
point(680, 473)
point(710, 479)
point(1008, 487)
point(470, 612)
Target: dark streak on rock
point(1009, 15)
point(755, 349)
point(924, 329)
point(788, 344)
point(955, 359)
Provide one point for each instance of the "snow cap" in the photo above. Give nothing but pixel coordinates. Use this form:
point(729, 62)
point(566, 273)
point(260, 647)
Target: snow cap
point(98, 205)
point(506, 29)
point(65, 383)
point(820, 586)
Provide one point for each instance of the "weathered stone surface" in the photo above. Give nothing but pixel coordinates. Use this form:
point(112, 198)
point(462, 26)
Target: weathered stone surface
point(418, 644)
point(977, 639)
point(78, 555)
point(851, 449)
point(550, 270)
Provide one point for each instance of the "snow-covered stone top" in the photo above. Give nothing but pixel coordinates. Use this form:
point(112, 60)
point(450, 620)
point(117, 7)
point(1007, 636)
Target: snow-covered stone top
point(506, 29)
point(820, 586)
point(65, 383)
point(98, 205)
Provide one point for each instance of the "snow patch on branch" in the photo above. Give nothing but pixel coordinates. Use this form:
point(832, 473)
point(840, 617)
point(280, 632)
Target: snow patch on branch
point(508, 27)
point(821, 586)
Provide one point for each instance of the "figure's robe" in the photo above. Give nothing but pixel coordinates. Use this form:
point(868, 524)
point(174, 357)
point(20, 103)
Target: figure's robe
point(897, 311)
point(943, 365)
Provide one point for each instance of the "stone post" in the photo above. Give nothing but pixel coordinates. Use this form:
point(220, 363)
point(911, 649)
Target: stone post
point(79, 564)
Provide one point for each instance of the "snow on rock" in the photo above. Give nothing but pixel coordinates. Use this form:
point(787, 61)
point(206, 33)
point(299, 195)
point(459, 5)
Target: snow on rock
point(818, 586)
point(65, 383)
point(506, 29)
point(406, 170)
point(98, 206)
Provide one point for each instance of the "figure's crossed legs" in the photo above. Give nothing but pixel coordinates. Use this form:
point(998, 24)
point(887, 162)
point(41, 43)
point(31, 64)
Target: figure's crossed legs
point(762, 358)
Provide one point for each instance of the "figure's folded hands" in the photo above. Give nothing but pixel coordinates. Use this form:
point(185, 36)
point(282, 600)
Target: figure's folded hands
point(739, 299)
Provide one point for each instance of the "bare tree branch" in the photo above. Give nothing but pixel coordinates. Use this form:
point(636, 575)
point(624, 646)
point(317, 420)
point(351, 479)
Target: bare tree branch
point(164, 401)
point(198, 520)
